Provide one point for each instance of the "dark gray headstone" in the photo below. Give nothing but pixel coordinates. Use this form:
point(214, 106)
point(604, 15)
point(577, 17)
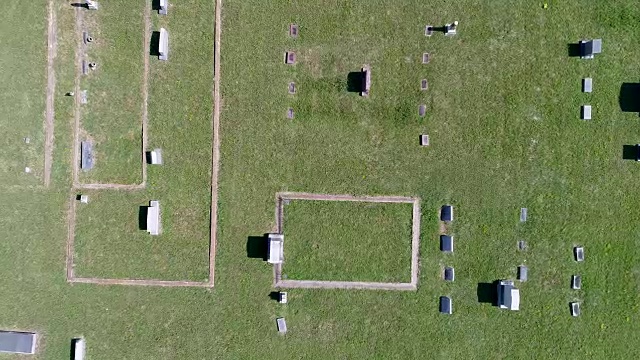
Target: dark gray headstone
point(17, 342)
point(86, 158)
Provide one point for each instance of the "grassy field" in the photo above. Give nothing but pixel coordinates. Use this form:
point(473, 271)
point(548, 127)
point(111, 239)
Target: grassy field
point(111, 240)
point(112, 117)
point(503, 118)
point(22, 93)
point(347, 241)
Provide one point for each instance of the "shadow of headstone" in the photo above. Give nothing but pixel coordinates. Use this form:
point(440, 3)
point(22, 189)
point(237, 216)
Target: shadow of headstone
point(80, 5)
point(142, 217)
point(573, 50)
point(487, 293)
point(274, 295)
point(257, 247)
point(155, 5)
point(154, 44)
point(630, 97)
point(629, 152)
point(354, 81)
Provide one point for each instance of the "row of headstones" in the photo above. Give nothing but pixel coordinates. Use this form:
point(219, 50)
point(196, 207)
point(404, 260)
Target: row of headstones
point(588, 49)
point(449, 30)
point(576, 280)
point(290, 59)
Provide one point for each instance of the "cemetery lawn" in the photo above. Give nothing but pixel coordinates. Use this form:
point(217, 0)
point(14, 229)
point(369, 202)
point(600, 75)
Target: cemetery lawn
point(503, 119)
point(347, 241)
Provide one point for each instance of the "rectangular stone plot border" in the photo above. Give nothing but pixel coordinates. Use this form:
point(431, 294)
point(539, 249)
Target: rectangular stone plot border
point(284, 197)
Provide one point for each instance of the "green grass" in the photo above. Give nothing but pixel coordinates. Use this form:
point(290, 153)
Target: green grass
point(112, 117)
point(22, 93)
point(503, 108)
point(347, 241)
point(109, 242)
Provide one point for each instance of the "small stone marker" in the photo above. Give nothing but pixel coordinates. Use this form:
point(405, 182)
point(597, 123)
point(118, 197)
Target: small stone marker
point(290, 57)
point(163, 6)
point(27, 170)
point(422, 110)
point(522, 245)
point(451, 29)
point(522, 273)
point(586, 112)
point(282, 325)
point(290, 113)
point(155, 157)
point(575, 309)
point(27, 140)
point(523, 214)
point(428, 30)
point(92, 65)
point(424, 140)
point(576, 282)
point(86, 37)
point(587, 85)
point(424, 84)
point(83, 97)
point(292, 88)
point(92, 5)
point(425, 58)
point(366, 80)
point(293, 30)
point(578, 252)
point(283, 297)
point(84, 199)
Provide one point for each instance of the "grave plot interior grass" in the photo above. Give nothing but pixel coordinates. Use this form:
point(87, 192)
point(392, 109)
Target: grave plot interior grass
point(347, 241)
point(111, 241)
point(112, 117)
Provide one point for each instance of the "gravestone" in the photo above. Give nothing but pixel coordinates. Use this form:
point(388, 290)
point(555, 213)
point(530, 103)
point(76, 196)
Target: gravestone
point(424, 140)
point(428, 30)
point(86, 155)
point(163, 45)
point(422, 110)
point(92, 5)
point(163, 7)
point(290, 58)
point(293, 30)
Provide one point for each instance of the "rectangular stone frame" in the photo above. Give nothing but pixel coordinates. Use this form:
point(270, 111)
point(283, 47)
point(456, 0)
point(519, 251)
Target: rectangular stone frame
point(278, 282)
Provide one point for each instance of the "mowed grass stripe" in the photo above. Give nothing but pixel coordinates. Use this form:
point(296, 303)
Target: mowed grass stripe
point(112, 118)
point(22, 92)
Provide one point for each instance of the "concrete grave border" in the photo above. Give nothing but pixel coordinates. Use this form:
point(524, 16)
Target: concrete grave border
point(283, 197)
